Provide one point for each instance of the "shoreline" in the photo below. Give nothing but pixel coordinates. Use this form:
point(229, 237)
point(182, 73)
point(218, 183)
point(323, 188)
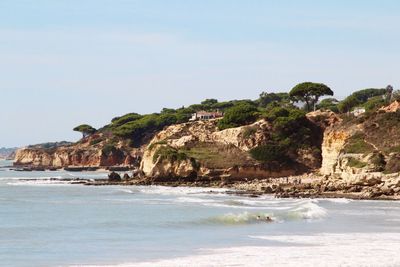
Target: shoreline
point(294, 187)
point(308, 185)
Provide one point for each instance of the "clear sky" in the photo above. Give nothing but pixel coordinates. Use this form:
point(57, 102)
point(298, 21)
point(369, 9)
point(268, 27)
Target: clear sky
point(68, 62)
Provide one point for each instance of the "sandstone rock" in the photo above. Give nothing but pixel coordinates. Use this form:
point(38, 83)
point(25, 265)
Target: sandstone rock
point(332, 146)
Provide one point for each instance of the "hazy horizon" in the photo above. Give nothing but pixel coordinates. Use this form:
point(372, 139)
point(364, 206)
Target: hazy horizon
point(64, 63)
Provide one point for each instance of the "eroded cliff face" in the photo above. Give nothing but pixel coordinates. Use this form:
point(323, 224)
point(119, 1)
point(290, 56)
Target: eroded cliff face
point(332, 146)
point(362, 147)
point(81, 154)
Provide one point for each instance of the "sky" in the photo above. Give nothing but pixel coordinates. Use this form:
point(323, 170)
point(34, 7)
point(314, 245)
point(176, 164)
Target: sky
point(67, 62)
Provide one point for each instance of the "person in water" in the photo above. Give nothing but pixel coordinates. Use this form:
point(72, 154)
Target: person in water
point(267, 219)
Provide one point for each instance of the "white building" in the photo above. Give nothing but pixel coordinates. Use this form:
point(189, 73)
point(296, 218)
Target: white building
point(358, 111)
point(205, 115)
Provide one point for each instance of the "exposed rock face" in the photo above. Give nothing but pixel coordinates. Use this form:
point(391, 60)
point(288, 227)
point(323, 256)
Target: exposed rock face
point(393, 107)
point(356, 153)
point(332, 146)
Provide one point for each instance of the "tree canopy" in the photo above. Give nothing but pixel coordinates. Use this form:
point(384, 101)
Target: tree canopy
point(240, 114)
point(309, 93)
point(85, 129)
point(267, 99)
point(358, 98)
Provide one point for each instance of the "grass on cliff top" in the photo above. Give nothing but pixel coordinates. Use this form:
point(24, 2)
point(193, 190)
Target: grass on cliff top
point(169, 153)
point(383, 129)
point(216, 156)
point(355, 163)
point(357, 145)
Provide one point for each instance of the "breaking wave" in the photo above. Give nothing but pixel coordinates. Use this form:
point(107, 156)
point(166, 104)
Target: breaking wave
point(305, 211)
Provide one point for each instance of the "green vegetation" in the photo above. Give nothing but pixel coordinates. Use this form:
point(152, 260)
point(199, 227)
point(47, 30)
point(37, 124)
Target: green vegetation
point(169, 153)
point(118, 121)
point(329, 104)
point(238, 115)
point(85, 129)
point(355, 163)
point(269, 152)
point(216, 156)
point(373, 103)
point(273, 99)
point(309, 93)
point(173, 155)
point(358, 98)
point(357, 145)
point(290, 131)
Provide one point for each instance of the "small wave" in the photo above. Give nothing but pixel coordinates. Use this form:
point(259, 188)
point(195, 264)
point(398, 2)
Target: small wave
point(128, 191)
point(304, 211)
point(45, 181)
point(239, 218)
point(193, 200)
point(40, 183)
point(339, 200)
point(180, 190)
point(308, 211)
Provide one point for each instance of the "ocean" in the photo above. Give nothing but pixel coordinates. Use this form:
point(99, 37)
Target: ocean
point(48, 222)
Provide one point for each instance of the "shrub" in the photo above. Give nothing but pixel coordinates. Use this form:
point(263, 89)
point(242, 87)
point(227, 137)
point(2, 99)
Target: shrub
point(169, 153)
point(269, 152)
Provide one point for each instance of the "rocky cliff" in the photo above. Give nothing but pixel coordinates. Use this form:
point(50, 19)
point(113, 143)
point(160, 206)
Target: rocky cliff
point(85, 153)
point(363, 154)
point(199, 150)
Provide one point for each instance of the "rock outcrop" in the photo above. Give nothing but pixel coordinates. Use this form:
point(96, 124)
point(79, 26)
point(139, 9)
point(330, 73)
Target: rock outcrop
point(83, 153)
point(199, 149)
point(363, 154)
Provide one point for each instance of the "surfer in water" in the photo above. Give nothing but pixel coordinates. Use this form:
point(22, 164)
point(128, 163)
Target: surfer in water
point(267, 219)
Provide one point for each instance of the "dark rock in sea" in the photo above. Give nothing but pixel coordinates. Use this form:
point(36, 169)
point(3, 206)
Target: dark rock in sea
point(114, 177)
point(268, 190)
point(118, 168)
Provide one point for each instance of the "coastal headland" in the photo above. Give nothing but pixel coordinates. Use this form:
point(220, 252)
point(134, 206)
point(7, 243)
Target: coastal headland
point(348, 148)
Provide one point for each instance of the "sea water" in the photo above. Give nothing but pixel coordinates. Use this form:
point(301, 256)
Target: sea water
point(45, 222)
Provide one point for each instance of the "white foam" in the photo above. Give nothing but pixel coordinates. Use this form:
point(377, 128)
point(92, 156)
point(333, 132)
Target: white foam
point(180, 190)
point(311, 211)
point(41, 183)
point(339, 200)
point(353, 249)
